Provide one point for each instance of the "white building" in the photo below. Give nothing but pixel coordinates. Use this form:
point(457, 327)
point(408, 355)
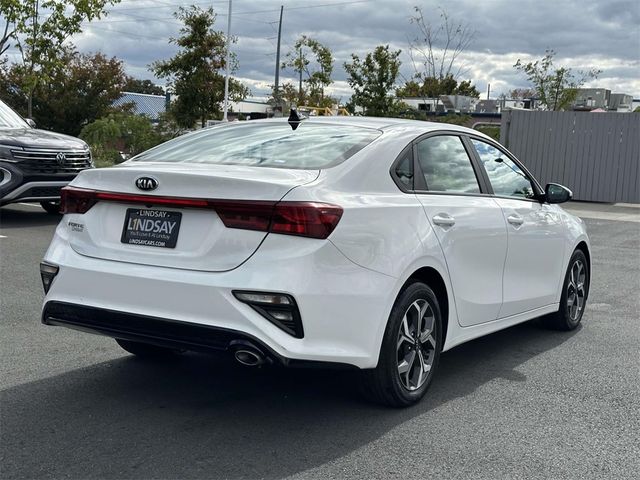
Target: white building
point(445, 103)
point(249, 105)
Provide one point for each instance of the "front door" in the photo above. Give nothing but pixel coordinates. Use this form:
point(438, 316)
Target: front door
point(535, 258)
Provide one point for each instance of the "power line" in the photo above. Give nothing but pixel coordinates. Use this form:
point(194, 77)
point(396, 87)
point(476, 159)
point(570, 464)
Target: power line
point(165, 5)
point(174, 5)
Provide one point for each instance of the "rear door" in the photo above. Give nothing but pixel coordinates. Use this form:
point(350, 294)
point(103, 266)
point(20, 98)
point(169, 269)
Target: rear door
point(190, 238)
point(535, 260)
point(468, 223)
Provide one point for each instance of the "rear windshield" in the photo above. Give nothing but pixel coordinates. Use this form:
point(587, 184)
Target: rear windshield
point(265, 144)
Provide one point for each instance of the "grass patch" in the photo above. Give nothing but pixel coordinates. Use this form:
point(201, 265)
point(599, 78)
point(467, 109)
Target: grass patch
point(493, 132)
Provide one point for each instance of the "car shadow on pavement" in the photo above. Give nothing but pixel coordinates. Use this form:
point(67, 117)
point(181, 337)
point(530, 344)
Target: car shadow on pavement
point(29, 216)
point(206, 417)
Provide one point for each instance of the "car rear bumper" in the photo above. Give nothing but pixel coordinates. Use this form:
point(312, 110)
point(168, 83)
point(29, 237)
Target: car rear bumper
point(343, 306)
point(161, 331)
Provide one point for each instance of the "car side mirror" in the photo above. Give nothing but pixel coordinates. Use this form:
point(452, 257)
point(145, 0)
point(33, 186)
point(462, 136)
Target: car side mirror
point(31, 122)
point(555, 193)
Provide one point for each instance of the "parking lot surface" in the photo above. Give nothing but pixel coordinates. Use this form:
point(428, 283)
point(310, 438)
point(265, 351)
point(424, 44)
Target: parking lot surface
point(522, 403)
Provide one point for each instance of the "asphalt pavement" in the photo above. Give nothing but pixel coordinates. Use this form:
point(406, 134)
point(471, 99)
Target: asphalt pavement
point(524, 403)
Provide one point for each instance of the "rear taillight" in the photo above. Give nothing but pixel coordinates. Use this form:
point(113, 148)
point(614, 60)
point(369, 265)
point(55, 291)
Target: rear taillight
point(246, 215)
point(307, 219)
point(76, 200)
point(80, 200)
point(315, 220)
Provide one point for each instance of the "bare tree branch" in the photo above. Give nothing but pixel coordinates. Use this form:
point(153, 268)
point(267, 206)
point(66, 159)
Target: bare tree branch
point(440, 48)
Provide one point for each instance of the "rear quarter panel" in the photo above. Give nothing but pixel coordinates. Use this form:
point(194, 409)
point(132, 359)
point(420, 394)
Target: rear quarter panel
point(382, 228)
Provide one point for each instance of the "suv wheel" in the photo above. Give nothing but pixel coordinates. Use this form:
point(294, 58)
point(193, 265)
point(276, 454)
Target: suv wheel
point(410, 349)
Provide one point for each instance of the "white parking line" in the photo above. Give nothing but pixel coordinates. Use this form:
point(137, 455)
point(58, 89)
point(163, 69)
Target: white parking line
point(3, 236)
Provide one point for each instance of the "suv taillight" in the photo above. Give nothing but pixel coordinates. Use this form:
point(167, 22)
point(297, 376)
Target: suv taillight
point(307, 219)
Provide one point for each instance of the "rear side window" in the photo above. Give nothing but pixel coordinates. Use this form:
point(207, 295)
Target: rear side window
point(404, 170)
point(265, 144)
point(446, 165)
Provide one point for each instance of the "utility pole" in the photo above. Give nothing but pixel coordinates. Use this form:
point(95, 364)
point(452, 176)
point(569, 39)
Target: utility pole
point(226, 78)
point(276, 90)
point(300, 82)
point(488, 90)
point(36, 9)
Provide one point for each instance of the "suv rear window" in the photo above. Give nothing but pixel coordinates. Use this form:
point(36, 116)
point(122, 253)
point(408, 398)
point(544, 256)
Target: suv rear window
point(265, 144)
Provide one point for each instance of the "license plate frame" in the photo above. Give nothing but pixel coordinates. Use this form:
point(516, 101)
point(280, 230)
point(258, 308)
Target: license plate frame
point(151, 228)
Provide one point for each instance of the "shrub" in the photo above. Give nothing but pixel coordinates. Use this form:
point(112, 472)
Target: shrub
point(493, 132)
point(119, 135)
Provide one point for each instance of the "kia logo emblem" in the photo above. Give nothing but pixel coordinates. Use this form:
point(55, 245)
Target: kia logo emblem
point(61, 158)
point(146, 183)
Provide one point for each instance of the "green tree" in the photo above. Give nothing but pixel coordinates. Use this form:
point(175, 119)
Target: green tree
point(466, 88)
point(167, 127)
point(195, 73)
point(287, 93)
point(432, 87)
point(135, 85)
point(313, 62)
point(556, 88)
point(373, 78)
point(74, 96)
point(522, 93)
point(411, 88)
point(39, 29)
point(119, 132)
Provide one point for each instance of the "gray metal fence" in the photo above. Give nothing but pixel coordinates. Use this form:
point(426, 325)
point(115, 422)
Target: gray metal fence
point(597, 155)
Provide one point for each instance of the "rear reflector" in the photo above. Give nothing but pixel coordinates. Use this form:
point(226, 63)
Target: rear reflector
point(48, 272)
point(279, 308)
point(307, 219)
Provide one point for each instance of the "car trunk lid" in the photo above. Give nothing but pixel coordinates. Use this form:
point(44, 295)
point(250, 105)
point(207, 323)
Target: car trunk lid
point(178, 224)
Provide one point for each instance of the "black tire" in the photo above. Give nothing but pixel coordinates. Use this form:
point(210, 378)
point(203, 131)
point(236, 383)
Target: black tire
point(51, 207)
point(572, 304)
point(384, 384)
point(146, 350)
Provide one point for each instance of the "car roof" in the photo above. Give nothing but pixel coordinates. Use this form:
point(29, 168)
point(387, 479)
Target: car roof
point(381, 123)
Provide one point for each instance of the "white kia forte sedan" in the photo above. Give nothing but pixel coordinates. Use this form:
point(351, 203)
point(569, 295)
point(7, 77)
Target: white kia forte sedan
point(362, 242)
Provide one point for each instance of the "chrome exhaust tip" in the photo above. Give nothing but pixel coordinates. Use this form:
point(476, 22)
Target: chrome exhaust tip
point(249, 358)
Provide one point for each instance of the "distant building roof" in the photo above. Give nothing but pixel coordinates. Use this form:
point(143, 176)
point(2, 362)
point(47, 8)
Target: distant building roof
point(487, 106)
point(144, 104)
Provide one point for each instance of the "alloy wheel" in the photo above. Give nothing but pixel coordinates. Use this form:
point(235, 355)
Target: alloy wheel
point(416, 348)
point(576, 293)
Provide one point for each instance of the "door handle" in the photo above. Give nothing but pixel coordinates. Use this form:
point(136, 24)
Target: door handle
point(444, 220)
point(516, 220)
